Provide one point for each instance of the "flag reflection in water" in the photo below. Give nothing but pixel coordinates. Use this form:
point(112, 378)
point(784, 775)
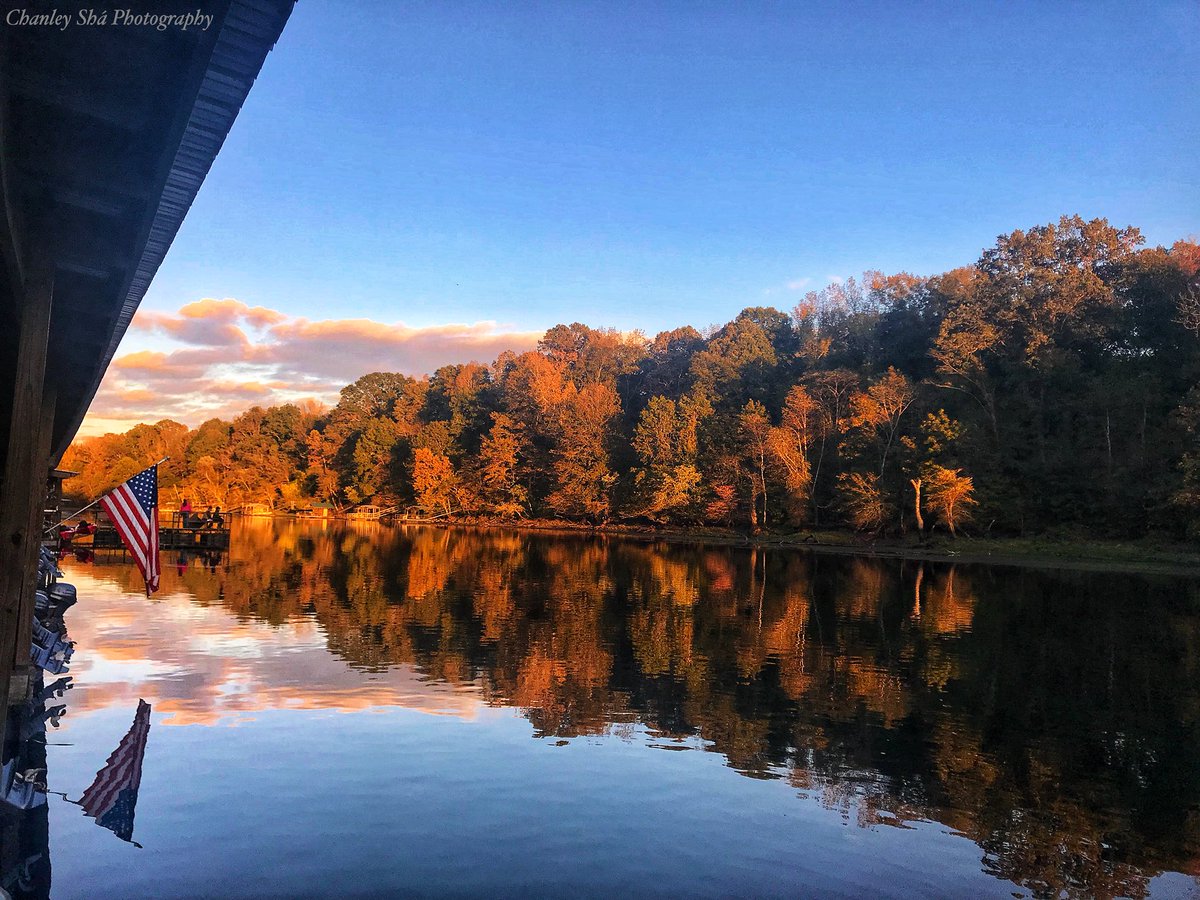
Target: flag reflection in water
point(112, 797)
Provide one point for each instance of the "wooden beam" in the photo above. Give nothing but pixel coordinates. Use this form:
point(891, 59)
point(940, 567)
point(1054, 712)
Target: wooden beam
point(95, 199)
point(74, 175)
point(10, 223)
point(25, 464)
point(21, 665)
point(83, 99)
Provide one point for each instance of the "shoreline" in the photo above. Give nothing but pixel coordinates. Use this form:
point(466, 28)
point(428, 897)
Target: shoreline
point(1080, 555)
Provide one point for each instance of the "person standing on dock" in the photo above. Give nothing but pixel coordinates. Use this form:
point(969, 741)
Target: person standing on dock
point(185, 512)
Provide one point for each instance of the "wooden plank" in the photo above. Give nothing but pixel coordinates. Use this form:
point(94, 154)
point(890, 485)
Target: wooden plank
point(25, 466)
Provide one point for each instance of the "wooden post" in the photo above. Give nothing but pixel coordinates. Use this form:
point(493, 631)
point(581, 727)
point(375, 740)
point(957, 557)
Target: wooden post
point(38, 485)
point(25, 468)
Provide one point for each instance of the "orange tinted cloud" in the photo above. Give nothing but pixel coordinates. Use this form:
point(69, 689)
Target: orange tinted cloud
point(225, 356)
point(382, 347)
point(231, 310)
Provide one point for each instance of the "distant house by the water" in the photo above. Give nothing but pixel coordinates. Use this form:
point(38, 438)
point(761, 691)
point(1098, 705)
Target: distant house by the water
point(255, 509)
point(313, 511)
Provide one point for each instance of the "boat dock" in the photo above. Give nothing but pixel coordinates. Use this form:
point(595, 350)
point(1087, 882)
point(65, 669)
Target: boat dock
point(106, 538)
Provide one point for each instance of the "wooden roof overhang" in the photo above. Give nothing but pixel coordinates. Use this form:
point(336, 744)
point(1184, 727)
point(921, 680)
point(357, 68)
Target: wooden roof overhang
point(106, 134)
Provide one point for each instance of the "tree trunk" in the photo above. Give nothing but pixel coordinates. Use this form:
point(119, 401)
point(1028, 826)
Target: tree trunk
point(763, 481)
point(1108, 440)
point(753, 504)
point(1142, 455)
point(916, 483)
point(816, 483)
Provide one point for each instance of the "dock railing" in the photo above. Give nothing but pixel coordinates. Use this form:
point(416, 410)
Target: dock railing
point(176, 531)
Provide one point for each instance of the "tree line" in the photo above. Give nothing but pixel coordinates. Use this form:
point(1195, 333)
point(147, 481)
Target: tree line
point(1052, 386)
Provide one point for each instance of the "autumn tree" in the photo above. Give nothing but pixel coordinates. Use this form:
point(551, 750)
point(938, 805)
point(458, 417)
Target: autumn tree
point(258, 467)
point(950, 495)
point(500, 459)
point(935, 446)
point(593, 355)
point(754, 431)
point(665, 371)
point(459, 396)
point(433, 480)
point(789, 446)
point(841, 320)
point(876, 412)
point(582, 472)
point(832, 390)
point(862, 497)
point(321, 452)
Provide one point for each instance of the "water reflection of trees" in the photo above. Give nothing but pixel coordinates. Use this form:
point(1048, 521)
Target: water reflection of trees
point(1054, 719)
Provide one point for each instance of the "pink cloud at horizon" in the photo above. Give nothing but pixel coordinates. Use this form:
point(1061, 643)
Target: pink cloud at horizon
point(225, 356)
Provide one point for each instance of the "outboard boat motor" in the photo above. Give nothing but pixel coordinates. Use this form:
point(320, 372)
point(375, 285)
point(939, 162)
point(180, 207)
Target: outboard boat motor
point(48, 569)
point(54, 689)
point(62, 594)
point(36, 724)
point(24, 790)
point(53, 662)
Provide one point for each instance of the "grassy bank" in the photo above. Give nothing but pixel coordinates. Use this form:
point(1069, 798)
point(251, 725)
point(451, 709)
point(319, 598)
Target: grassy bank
point(1144, 555)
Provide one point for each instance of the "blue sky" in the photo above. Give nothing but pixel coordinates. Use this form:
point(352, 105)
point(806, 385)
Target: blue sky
point(644, 165)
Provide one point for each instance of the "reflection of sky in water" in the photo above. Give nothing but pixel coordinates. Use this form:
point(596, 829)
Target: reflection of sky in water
point(196, 664)
point(311, 804)
point(248, 646)
point(99, 670)
point(280, 764)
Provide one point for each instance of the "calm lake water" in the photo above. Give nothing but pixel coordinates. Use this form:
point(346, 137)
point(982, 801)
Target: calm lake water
point(357, 710)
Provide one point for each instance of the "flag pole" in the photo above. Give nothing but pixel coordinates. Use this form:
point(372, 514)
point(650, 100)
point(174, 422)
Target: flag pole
point(94, 502)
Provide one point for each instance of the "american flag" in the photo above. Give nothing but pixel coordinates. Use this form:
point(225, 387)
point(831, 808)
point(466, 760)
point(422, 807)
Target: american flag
point(133, 509)
point(112, 797)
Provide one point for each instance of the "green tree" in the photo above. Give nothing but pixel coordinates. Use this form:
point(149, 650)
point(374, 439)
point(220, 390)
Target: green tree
point(667, 481)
